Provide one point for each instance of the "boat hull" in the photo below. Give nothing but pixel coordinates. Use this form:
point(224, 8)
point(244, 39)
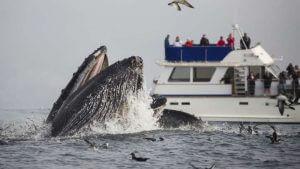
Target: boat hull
point(234, 109)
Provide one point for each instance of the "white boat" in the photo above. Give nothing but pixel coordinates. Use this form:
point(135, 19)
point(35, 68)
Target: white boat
point(193, 83)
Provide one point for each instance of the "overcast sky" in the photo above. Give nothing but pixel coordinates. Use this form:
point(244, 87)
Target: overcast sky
point(43, 42)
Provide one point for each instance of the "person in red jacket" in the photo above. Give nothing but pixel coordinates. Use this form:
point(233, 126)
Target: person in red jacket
point(221, 42)
point(230, 41)
point(188, 43)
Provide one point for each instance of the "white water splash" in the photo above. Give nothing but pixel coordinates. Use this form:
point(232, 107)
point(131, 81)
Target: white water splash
point(137, 117)
point(33, 128)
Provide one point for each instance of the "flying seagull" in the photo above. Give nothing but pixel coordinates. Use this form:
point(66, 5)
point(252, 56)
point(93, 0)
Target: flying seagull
point(180, 2)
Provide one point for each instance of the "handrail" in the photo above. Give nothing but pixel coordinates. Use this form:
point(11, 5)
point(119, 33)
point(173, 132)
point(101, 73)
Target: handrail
point(196, 53)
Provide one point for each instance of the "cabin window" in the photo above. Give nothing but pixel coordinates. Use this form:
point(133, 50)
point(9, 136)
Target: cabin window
point(228, 76)
point(180, 74)
point(203, 74)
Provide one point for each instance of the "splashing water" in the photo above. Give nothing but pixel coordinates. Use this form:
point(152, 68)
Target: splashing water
point(138, 116)
point(24, 125)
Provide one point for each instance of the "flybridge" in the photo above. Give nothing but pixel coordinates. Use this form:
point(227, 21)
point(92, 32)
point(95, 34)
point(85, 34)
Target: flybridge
point(196, 53)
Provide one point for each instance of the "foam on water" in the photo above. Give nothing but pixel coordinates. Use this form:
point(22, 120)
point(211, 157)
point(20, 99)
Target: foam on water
point(35, 129)
point(137, 117)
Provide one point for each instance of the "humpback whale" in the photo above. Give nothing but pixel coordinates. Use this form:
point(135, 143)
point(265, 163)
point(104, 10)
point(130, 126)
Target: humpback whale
point(95, 93)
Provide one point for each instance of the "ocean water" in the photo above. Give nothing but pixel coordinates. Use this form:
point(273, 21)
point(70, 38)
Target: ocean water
point(221, 145)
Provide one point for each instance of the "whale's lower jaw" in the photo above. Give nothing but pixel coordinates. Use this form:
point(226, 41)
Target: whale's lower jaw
point(101, 98)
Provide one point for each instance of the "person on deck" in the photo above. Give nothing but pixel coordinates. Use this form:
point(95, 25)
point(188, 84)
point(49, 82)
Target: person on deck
point(204, 41)
point(221, 42)
point(267, 83)
point(295, 86)
point(251, 83)
point(230, 41)
point(177, 42)
point(245, 42)
point(282, 82)
point(188, 43)
point(297, 70)
point(167, 41)
point(290, 70)
point(295, 82)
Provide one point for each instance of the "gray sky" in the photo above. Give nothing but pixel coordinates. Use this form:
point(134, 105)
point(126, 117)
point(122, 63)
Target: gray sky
point(43, 42)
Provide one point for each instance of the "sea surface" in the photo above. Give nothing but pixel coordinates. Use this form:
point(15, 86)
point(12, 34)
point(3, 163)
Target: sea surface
point(220, 145)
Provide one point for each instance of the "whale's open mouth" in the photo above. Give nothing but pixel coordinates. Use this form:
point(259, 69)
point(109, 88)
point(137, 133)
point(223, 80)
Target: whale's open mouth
point(92, 66)
point(100, 63)
point(96, 91)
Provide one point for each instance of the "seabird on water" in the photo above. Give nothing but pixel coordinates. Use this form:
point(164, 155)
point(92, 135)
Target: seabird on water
point(2, 142)
point(180, 2)
point(150, 138)
point(91, 144)
point(105, 146)
point(274, 137)
point(211, 167)
point(154, 139)
point(94, 145)
point(194, 167)
point(141, 159)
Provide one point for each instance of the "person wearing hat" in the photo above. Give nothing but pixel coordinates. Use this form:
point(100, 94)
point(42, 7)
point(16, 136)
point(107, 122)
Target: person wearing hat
point(177, 42)
point(221, 42)
point(204, 41)
point(188, 43)
point(230, 41)
point(245, 42)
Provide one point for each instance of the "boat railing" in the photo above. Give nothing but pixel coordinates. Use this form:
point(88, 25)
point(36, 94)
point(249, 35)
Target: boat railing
point(274, 70)
point(211, 53)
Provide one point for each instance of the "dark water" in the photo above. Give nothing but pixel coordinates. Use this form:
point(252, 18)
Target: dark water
point(219, 144)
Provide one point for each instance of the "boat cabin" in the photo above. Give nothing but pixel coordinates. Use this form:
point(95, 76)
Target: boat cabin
point(214, 71)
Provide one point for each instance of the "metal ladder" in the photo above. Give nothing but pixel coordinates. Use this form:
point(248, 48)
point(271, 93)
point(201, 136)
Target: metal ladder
point(239, 87)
